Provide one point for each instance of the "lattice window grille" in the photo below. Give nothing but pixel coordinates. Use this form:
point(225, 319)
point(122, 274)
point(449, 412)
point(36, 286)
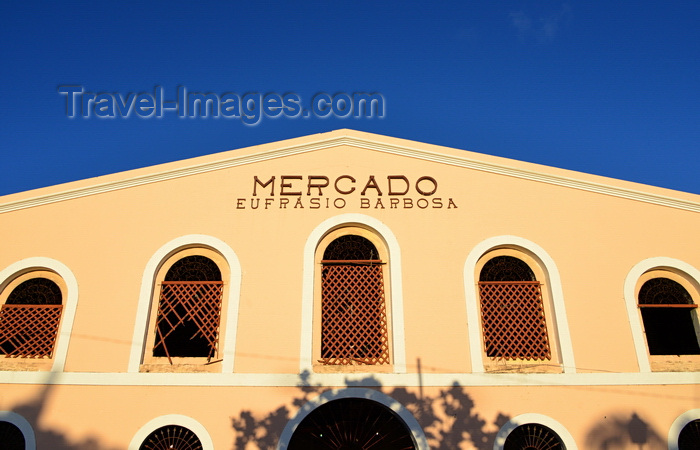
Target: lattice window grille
point(513, 320)
point(354, 317)
point(29, 331)
point(184, 303)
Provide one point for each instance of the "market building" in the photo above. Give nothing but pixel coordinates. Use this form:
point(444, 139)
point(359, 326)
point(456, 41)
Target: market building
point(345, 290)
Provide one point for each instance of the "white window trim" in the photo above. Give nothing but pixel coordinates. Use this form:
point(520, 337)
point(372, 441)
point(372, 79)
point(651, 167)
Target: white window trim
point(657, 263)
point(141, 330)
point(540, 419)
point(369, 394)
point(472, 301)
point(23, 425)
point(70, 303)
point(397, 321)
point(172, 419)
point(677, 426)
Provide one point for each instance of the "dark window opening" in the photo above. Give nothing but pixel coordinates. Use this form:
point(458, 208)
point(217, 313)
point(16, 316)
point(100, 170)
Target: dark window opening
point(352, 424)
point(171, 437)
point(189, 310)
point(506, 268)
point(36, 291)
point(11, 437)
point(689, 438)
point(351, 247)
point(667, 314)
point(533, 436)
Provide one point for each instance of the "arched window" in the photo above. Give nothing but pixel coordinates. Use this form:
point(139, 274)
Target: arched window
point(171, 437)
point(11, 437)
point(189, 310)
point(512, 311)
point(29, 318)
point(667, 308)
point(354, 324)
point(533, 436)
point(352, 423)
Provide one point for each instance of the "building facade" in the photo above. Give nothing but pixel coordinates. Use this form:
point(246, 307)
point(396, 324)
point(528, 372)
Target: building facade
point(350, 290)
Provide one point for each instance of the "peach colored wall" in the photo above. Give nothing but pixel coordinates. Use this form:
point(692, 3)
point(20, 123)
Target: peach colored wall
point(107, 239)
point(111, 415)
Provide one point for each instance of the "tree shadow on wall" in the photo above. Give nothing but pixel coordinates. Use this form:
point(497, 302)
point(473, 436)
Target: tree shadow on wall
point(624, 432)
point(50, 438)
point(448, 419)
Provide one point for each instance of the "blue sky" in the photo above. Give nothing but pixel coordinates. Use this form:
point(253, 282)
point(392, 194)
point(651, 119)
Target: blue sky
point(609, 88)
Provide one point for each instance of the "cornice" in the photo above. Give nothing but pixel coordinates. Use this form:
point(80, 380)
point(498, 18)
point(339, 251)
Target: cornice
point(358, 142)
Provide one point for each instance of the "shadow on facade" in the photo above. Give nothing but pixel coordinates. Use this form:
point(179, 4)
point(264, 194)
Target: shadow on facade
point(620, 431)
point(448, 419)
point(49, 438)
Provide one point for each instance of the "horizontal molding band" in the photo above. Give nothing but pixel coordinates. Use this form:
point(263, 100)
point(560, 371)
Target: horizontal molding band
point(355, 380)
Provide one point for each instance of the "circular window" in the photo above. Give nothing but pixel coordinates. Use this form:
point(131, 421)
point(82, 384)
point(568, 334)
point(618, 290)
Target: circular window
point(352, 424)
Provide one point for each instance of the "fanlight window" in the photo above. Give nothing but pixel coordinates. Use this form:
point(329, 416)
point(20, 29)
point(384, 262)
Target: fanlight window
point(29, 319)
point(667, 310)
point(171, 437)
point(533, 436)
point(354, 317)
point(352, 423)
point(189, 310)
point(512, 311)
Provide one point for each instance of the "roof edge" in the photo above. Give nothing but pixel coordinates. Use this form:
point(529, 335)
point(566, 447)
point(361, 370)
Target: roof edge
point(369, 141)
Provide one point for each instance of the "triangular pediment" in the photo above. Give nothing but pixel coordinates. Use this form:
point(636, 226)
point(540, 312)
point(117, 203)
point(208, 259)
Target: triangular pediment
point(344, 138)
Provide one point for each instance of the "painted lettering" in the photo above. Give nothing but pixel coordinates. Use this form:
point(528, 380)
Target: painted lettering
point(285, 184)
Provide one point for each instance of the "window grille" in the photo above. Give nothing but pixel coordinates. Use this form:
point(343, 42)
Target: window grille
point(512, 311)
point(171, 437)
point(689, 438)
point(29, 319)
point(353, 316)
point(533, 436)
point(189, 310)
point(11, 437)
point(666, 309)
point(352, 423)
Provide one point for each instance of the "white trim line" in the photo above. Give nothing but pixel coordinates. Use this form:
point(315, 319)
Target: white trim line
point(343, 379)
point(365, 143)
point(560, 323)
point(541, 419)
point(677, 426)
point(369, 394)
point(660, 262)
point(24, 426)
point(307, 306)
point(172, 419)
point(70, 303)
point(141, 322)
